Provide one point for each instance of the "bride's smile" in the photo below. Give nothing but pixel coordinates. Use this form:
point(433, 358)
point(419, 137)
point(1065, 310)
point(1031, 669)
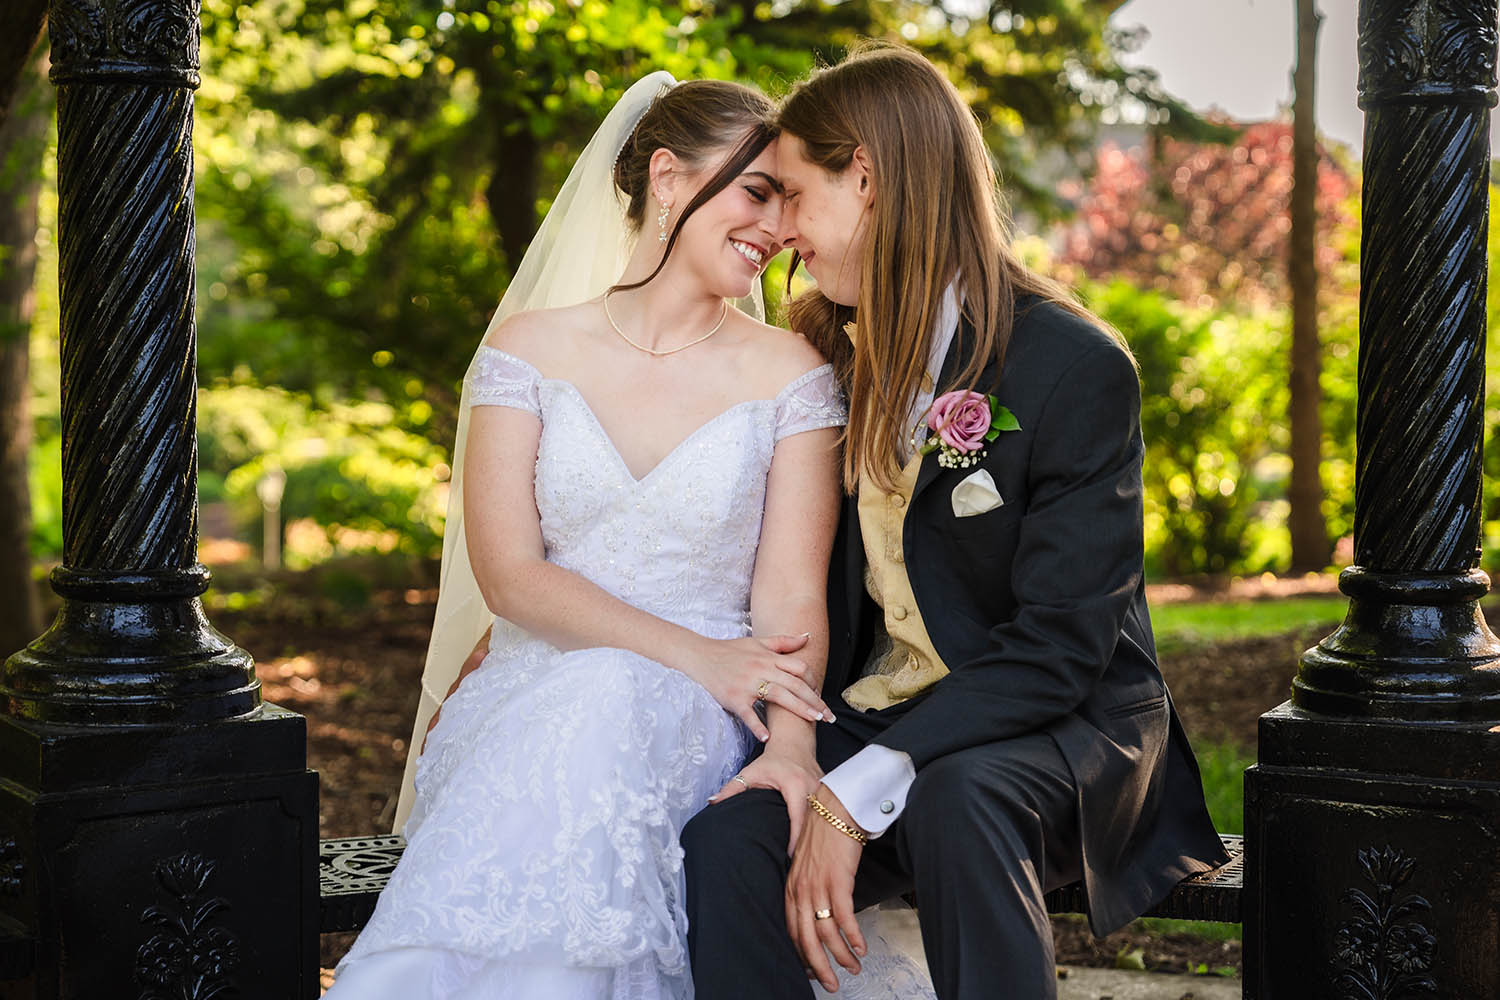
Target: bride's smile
point(754, 254)
point(725, 245)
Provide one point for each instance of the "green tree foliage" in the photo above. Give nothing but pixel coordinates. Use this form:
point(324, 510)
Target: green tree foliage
point(370, 172)
point(25, 113)
point(1213, 386)
point(351, 475)
point(1206, 227)
point(1491, 495)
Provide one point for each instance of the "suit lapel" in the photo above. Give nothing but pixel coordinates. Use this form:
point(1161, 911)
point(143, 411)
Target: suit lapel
point(958, 355)
point(849, 561)
point(854, 562)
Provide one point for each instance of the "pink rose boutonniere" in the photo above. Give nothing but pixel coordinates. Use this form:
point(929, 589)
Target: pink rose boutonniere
point(963, 422)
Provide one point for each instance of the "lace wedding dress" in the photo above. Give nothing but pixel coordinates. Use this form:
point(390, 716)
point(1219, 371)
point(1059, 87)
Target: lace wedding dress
point(542, 857)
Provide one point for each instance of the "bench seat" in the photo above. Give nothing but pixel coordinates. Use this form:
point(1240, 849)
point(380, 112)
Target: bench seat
point(353, 870)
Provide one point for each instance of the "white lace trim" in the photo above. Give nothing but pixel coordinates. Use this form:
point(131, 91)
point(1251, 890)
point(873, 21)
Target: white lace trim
point(501, 379)
point(810, 402)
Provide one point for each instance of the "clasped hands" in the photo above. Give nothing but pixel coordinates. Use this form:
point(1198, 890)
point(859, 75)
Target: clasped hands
point(741, 672)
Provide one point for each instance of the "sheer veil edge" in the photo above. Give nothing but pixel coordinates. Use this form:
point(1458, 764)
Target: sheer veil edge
point(580, 250)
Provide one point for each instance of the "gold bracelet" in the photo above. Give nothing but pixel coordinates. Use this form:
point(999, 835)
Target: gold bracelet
point(854, 833)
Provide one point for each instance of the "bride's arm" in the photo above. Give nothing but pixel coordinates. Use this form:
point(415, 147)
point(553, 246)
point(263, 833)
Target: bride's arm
point(788, 594)
point(504, 537)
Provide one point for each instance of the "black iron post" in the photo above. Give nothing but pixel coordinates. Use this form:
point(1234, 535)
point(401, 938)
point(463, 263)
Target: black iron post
point(1373, 815)
point(158, 823)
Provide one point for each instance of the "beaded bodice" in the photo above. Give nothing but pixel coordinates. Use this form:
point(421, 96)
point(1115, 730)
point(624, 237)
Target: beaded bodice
point(680, 540)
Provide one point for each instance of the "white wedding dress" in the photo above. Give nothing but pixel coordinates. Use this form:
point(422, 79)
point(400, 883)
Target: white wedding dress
point(542, 858)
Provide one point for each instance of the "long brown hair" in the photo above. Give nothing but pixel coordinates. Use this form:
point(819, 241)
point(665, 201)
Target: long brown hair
point(937, 215)
point(694, 119)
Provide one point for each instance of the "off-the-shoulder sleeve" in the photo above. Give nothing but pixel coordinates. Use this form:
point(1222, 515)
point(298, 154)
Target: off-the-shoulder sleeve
point(501, 379)
point(810, 402)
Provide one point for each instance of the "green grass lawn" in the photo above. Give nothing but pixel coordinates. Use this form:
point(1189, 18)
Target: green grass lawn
point(1179, 625)
point(1223, 769)
point(1183, 626)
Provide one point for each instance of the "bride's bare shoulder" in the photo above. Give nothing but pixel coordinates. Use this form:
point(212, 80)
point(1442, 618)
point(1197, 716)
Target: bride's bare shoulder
point(779, 355)
point(534, 335)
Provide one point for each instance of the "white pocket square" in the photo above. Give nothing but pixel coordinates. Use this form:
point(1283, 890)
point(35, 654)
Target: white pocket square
point(975, 495)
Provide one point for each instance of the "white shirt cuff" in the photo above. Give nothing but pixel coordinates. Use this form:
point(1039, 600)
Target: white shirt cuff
point(872, 785)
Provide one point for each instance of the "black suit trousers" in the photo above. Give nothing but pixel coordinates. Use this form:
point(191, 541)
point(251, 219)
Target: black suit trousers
point(984, 834)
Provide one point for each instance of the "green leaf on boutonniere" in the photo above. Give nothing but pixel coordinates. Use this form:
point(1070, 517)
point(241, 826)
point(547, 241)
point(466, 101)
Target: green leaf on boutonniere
point(931, 445)
point(1003, 419)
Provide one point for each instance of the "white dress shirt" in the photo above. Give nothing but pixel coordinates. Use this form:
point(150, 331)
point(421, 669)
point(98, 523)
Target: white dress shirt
point(873, 783)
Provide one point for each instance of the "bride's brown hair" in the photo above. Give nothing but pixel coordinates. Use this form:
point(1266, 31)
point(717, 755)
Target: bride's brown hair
point(937, 214)
point(695, 119)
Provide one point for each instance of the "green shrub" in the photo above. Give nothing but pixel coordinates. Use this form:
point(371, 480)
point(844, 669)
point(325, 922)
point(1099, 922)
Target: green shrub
point(367, 484)
point(1209, 380)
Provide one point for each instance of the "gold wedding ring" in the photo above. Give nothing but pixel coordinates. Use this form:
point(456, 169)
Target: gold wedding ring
point(822, 914)
point(761, 691)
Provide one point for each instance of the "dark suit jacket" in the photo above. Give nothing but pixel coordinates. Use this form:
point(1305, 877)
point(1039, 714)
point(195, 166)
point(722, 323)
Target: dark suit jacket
point(1038, 608)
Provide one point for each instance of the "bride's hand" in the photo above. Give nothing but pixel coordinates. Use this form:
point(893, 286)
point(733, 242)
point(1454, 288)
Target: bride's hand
point(470, 665)
point(740, 672)
point(792, 776)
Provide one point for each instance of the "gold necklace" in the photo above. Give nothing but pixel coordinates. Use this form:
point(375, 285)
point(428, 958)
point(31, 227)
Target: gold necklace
point(661, 354)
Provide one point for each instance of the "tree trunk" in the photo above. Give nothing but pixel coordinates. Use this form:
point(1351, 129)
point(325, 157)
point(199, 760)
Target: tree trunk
point(23, 137)
point(1310, 545)
point(20, 27)
point(511, 194)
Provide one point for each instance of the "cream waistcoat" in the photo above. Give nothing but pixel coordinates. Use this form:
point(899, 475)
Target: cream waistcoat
point(902, 662)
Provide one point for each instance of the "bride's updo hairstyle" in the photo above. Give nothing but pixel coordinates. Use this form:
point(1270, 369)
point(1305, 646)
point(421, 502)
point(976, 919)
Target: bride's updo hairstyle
point(698, 120)
point(938, 213)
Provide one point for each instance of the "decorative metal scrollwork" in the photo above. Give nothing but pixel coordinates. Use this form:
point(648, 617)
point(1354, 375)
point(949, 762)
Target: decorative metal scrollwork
point(1462, 47)
point(186, 959)
point(358, 864)
point(12, 867)
point(77, 30)
point(149, 40)
point(1384, 952)
point(158, 31)
point(1426, 47)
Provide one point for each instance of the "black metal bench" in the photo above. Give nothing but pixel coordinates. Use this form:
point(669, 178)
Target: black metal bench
point(353, 870)
point(1213, 895)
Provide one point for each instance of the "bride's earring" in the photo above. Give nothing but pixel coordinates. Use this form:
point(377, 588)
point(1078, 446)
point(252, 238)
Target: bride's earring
point(661, 217)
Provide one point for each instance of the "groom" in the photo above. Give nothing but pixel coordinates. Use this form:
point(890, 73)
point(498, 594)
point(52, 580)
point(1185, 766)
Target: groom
point(1002, 726)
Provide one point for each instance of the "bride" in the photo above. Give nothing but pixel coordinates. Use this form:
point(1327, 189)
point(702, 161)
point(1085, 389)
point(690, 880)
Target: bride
point(644, 505)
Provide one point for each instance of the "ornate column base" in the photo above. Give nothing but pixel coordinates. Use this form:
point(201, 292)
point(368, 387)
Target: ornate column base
point(161, 861)
point(1411, 647)
point(1372, 862)
point(130, 649)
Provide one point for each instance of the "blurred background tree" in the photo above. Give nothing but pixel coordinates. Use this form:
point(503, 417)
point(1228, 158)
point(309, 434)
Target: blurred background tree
point(1309, 531)
point(21, 24)
point(25, 113)
point(1194, 239)
point(368, 172)
point(375, 172)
